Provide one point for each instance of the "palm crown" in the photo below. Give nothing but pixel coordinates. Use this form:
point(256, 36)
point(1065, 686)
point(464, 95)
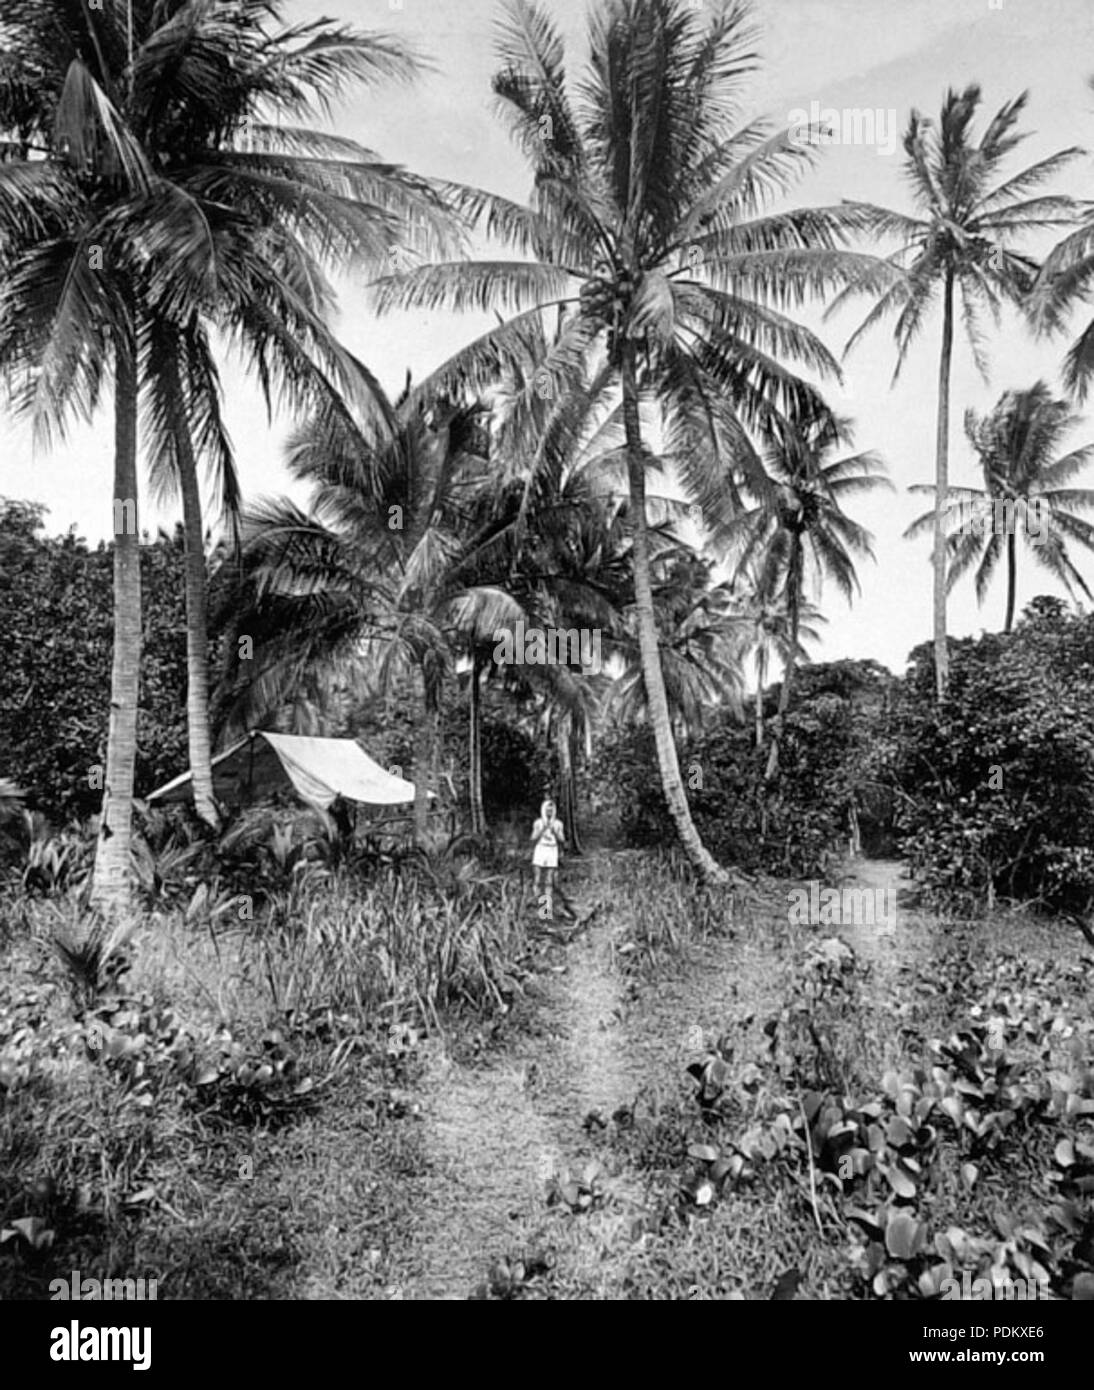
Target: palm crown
point(1019, 445)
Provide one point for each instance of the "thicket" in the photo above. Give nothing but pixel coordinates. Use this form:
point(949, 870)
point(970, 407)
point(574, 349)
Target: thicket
point(57, 625)
point(798, 821)
point(995, 788)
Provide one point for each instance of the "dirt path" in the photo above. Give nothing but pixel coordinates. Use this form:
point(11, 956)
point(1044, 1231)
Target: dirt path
point(873, 937)
point(497, 1131)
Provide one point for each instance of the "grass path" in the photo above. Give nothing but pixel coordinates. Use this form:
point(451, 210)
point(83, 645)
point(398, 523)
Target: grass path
point(496, 1130)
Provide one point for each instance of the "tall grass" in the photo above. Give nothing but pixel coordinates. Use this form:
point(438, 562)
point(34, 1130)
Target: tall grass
point(665, 907)
point(402, 944)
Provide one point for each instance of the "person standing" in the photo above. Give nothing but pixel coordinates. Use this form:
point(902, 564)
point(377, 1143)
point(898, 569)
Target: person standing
point(547, 837)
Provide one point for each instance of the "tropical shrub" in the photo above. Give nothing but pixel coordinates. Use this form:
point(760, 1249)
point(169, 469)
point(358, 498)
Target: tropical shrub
point(996, 787)
point(56, 617)
point(795, 823)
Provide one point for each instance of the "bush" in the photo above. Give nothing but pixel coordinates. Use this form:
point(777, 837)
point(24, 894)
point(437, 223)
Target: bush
point(997, 786)
point(515, 767)
point(799, 820)
point(56, 614)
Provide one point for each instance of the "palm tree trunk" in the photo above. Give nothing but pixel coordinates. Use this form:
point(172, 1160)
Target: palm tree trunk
point(427, 762)
point(568, 787)
point(760, 674)
point(112, 885)
point(478, 815)
point(423, 763)
point(197, 638)
point(794, 596)
point(654, 679)
point(1012, 578)
point(436, 753)
point(780, 717)
point(942, 484)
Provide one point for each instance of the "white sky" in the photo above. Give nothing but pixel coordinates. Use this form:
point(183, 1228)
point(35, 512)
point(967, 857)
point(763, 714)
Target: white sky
point(877, 54)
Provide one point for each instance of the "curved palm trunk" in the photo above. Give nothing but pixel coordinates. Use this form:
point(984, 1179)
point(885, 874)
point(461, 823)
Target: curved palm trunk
point(568, 784)
point(478, 815)
point(112, 884)
point(197, 639)
point(942, 483)
point(794, 585)
point(652, 674)
point(1012, 578)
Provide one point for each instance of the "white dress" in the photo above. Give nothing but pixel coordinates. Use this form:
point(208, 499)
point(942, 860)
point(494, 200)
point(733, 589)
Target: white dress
point(545, 854)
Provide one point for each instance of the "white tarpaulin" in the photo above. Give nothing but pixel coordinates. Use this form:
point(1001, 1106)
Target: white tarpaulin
point(319, 769)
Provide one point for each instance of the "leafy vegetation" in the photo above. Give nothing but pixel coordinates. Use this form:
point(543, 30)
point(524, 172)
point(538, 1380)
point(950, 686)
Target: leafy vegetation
point(801, 820)
point(992, 788)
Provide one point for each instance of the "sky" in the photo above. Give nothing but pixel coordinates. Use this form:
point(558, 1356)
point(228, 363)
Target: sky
point(886, 56)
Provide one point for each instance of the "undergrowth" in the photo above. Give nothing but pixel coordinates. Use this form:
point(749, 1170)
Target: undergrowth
point(850, 1146)
point(150, 1079)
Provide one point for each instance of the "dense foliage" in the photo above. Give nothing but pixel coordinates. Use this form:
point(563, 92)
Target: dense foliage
point(55, 614)
point(996, 787)
point(795, 822)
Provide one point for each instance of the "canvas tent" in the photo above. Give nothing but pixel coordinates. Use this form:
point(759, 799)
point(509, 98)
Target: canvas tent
point(318, 769)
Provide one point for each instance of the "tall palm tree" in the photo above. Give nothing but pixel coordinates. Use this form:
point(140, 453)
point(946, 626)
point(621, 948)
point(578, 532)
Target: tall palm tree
point(960, 243)
point(801, 518)
point(131, 224)
point(647, 239)
point(1018, 444)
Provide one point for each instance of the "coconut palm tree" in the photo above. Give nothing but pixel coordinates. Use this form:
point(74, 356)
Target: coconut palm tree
point(372, 568)
point(563, 558)
point(648, 241)
point(763, 613)
point(960, 243)
point(573, 575)
point(131, 223)
point(1026, 488)
point(700, 639)
point(801, 518)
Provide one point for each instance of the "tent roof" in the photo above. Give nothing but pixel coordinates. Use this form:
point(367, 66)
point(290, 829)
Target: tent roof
point(319, 769)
